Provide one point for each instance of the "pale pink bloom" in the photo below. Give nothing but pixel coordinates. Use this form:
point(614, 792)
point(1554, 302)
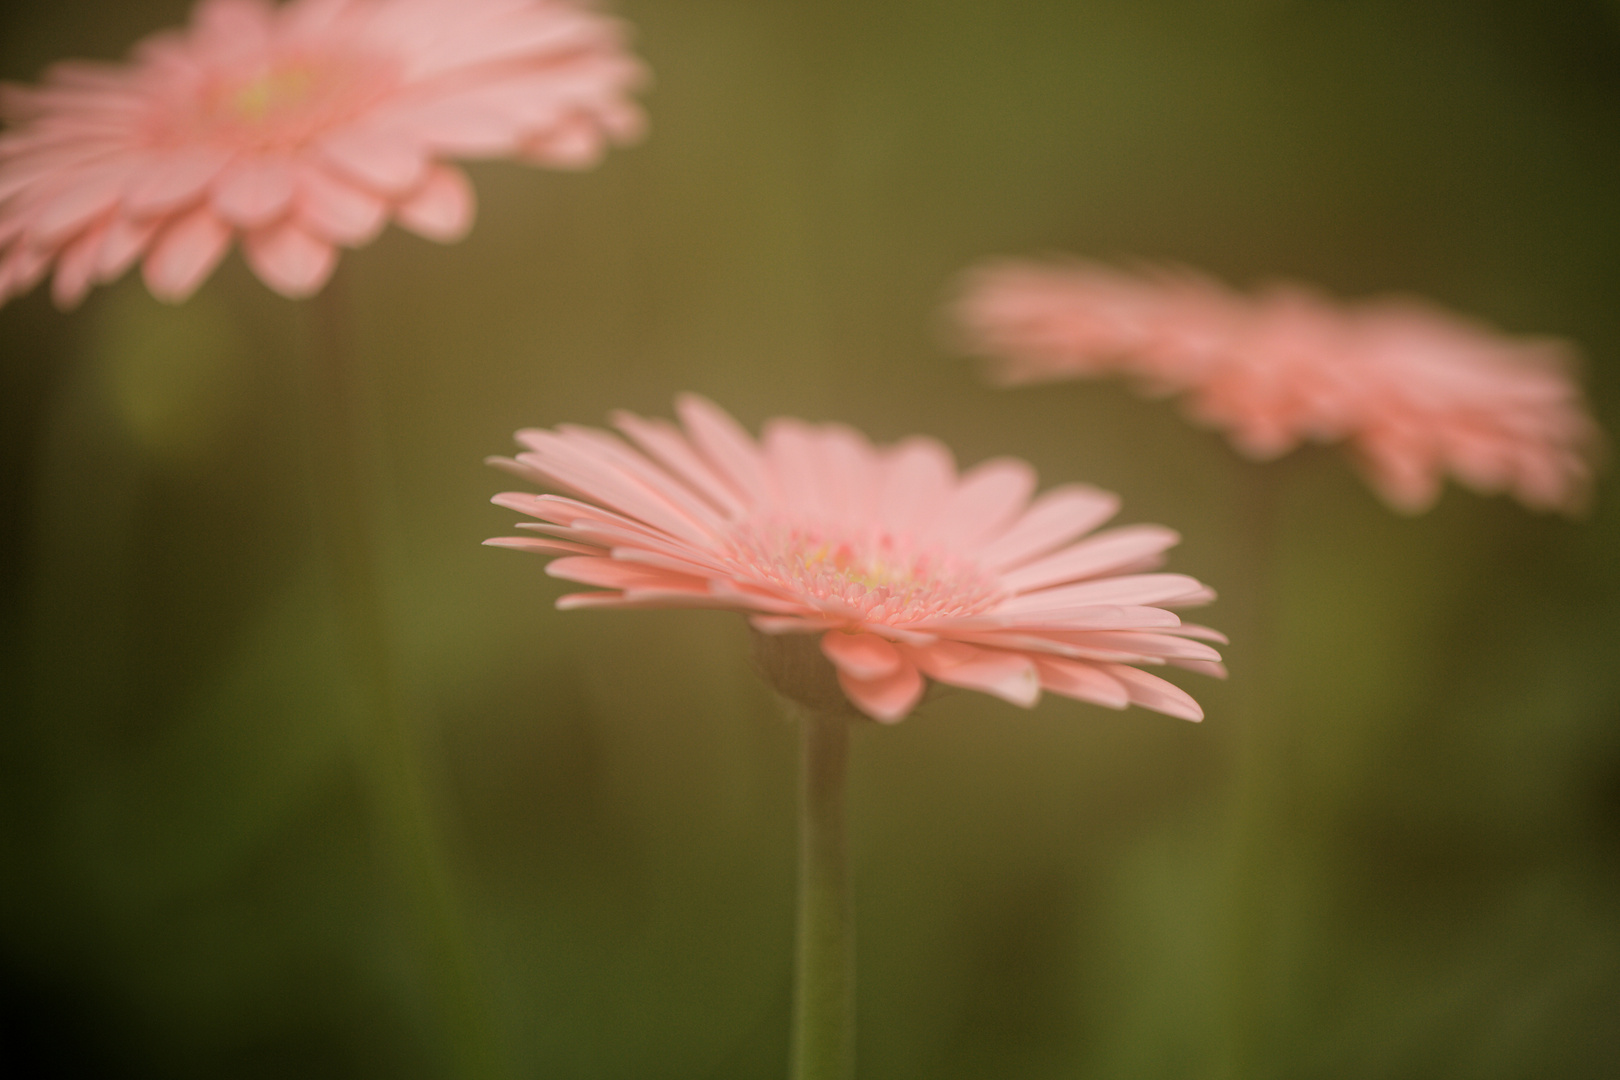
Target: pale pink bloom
point(1285, 371)
point(1414, 392)
point(905, 570)
point(297, 128)
point(1069, 319)
point(1454, 397)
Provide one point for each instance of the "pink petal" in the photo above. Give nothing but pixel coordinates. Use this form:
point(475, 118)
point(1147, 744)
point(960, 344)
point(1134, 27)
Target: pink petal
point(642, 545)
point(1101, 554)
point(988, 497)
point(743, 595)
point(863, 656)
point(847, 468)
point(790, 458)
point(290, 260)
point(1006, 675)
point(40, 169)
point(724, 443)
point(645, 600)
point(1052, 520)
point(1081, 681)
point(581, 517)
point(76, 268)
point(694, 563)
point(246, 21)
point(787, 624)
point(573, 144)
point(459, 128)
point(1129, 590)
point(542, 547)
point(1194, 598)
point(389, 163)
point(918, 477)
point(185, 253)
point(888, 699)
point(631, 487)
point(614, 574)
point(313, 18)
point(1164, 646)
point(1202, 633)
point(442, 208)
point(665, 442)
point(81, 199)
point(1203, 667)
point(122, 245)
point(509, 34)
point(623, 120)
point(1062, 619)
point(12, 225)
point(255, 191)
point(22, 268)
point(175, 179)
point(1405, 486)
point(1152, 692)
point(338, 210)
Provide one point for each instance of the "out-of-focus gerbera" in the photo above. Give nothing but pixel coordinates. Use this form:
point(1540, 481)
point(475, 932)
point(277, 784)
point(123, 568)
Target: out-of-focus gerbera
point(1416, 393)
point(905, 570)
point(298, 128)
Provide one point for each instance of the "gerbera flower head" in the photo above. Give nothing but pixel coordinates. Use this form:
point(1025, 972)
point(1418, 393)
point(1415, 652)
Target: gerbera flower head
point(1414, 392)
point(904, 570)
point(1451, 396)
point(297, 128)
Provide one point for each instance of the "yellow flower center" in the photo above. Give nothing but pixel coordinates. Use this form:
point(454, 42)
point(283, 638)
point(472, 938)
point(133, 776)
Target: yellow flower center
point(875, 578)
point(290, 100)
point(272, 92)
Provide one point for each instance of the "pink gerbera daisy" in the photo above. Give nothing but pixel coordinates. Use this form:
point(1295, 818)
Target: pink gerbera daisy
point(297, 128)
point(1454, 397)
point(1416, 393)
point(905, 570)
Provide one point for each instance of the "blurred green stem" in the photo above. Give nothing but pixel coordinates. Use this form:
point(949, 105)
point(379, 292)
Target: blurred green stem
point(389, 737)
point(824, 979)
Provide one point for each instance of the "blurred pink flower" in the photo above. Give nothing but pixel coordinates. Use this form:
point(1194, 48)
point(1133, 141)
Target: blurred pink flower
point(1415, 392)
point(904, 569)
point(298, 128)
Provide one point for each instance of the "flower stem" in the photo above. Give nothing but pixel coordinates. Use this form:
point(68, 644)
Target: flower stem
point(824, 982)
point(390, 730)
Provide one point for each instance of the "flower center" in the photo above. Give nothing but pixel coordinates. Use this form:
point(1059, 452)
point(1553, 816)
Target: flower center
point(876, 578)
point(278, 90)
point(293, 99)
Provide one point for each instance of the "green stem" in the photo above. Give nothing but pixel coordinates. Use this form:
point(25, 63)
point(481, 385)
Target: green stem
point(389, 738)
point(824, 982)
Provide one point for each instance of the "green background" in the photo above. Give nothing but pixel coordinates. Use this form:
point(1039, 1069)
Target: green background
point(1392, 850)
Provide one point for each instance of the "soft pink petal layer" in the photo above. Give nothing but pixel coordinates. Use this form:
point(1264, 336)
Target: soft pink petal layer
point(1152, 692)
point(1082, 681)
point(185, 253)
point(1053, 520)
point(339, 211)
point(1418, 393)
point(442, 208)
point(906, 571)
point(863, 656)
point(1101, 554)
point(289, 259)
point(328, 115)
point(256, 191)
point(1007, 675)
point(889, 698)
